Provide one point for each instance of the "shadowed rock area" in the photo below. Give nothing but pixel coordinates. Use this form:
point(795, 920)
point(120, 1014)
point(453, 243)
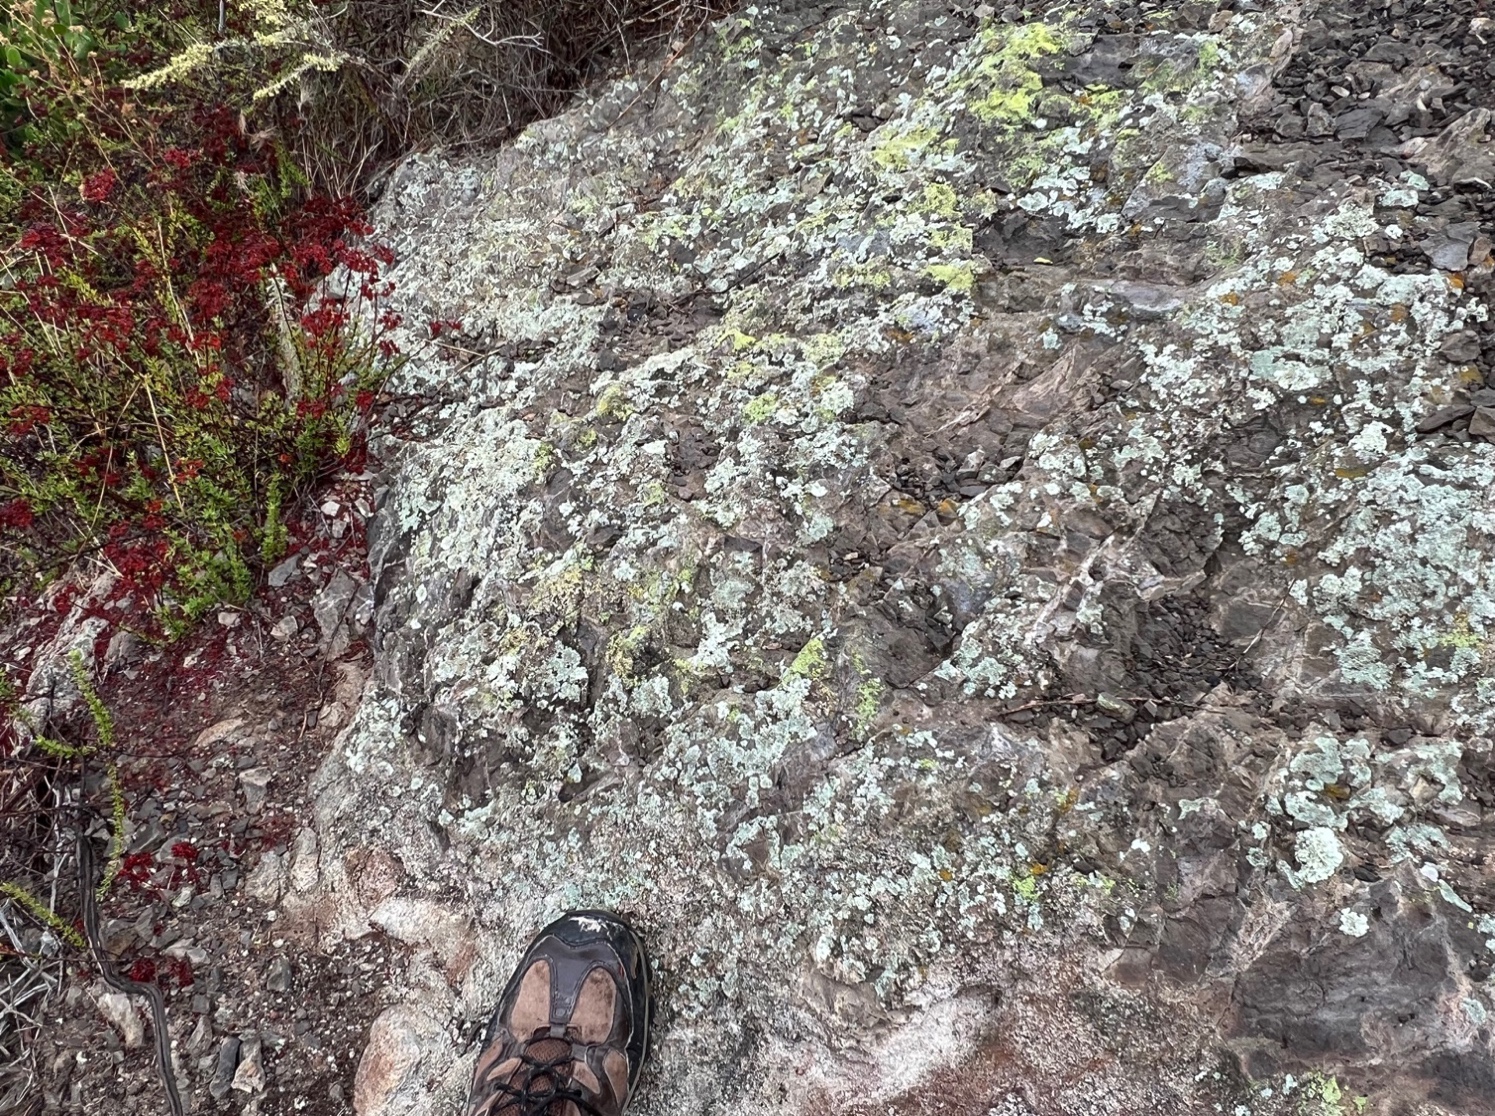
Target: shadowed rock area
point(971, 527)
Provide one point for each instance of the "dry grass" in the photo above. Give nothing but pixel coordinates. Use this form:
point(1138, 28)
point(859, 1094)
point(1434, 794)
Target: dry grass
point(31, 958)
point(426, 73)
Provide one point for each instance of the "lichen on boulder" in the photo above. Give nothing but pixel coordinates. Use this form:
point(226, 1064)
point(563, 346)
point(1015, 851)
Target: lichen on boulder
point(942, 520)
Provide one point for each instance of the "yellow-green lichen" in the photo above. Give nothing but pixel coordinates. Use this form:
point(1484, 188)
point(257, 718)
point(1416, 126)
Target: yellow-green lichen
point(1323, 1096)
point(810, 663)
point(1210, 56)
point(941, 200)
point(958, 239)
point(872, 278)
point(621, 650)
point(824, 349)
point(761, 408)
point(652, 494)
point(1012, 85)
point(613, 403)
point(897, 150)
point(869, 701)
point(558, 593)
point(545, 461)
point(958, 277)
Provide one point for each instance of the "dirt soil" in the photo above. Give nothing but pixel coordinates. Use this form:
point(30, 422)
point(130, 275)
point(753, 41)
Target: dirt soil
point(217, 737)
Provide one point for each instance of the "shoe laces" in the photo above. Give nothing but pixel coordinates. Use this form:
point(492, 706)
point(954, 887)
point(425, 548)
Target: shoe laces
point(542, 1082)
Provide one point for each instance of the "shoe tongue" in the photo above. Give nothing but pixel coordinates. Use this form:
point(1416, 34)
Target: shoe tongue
point(538, 1082)
point(548, 1049)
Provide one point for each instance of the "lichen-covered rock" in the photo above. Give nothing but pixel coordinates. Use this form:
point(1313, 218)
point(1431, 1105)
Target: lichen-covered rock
point(966, 527)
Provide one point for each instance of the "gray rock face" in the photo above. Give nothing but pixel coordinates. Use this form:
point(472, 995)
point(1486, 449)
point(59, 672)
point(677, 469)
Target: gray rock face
point(967, 529)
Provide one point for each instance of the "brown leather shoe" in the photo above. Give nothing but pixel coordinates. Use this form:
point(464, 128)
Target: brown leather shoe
point(571, 1030)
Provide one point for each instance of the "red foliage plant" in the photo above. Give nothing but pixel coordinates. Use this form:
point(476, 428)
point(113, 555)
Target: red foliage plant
point(189, 340)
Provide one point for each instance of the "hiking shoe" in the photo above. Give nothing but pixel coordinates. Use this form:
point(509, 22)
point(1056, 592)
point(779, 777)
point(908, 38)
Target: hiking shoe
point(571, 1030)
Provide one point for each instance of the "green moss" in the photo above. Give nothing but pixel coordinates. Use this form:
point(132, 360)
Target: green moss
point(1026, 889)
point(43, 913)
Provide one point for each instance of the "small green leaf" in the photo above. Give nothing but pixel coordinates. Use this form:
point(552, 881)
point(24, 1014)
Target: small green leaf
point(80, 42)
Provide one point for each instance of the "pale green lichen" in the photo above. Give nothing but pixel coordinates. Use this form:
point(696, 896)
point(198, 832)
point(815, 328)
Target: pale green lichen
point(1319, 855)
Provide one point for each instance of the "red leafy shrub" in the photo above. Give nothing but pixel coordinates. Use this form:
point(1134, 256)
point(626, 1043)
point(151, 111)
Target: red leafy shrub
point(175, 366)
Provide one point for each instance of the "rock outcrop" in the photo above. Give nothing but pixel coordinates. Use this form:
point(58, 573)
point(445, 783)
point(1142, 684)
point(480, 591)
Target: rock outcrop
point(972, 527)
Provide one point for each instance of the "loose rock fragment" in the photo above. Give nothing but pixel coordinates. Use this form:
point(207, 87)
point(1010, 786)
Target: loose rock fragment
point(283, 572)
point(1482, 425)
point(1460, 347)
point(227, 1063)
point(120, 1013)
point(279, 977)
point(249, 1077)
point(1444, 416)
point(254, 783)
